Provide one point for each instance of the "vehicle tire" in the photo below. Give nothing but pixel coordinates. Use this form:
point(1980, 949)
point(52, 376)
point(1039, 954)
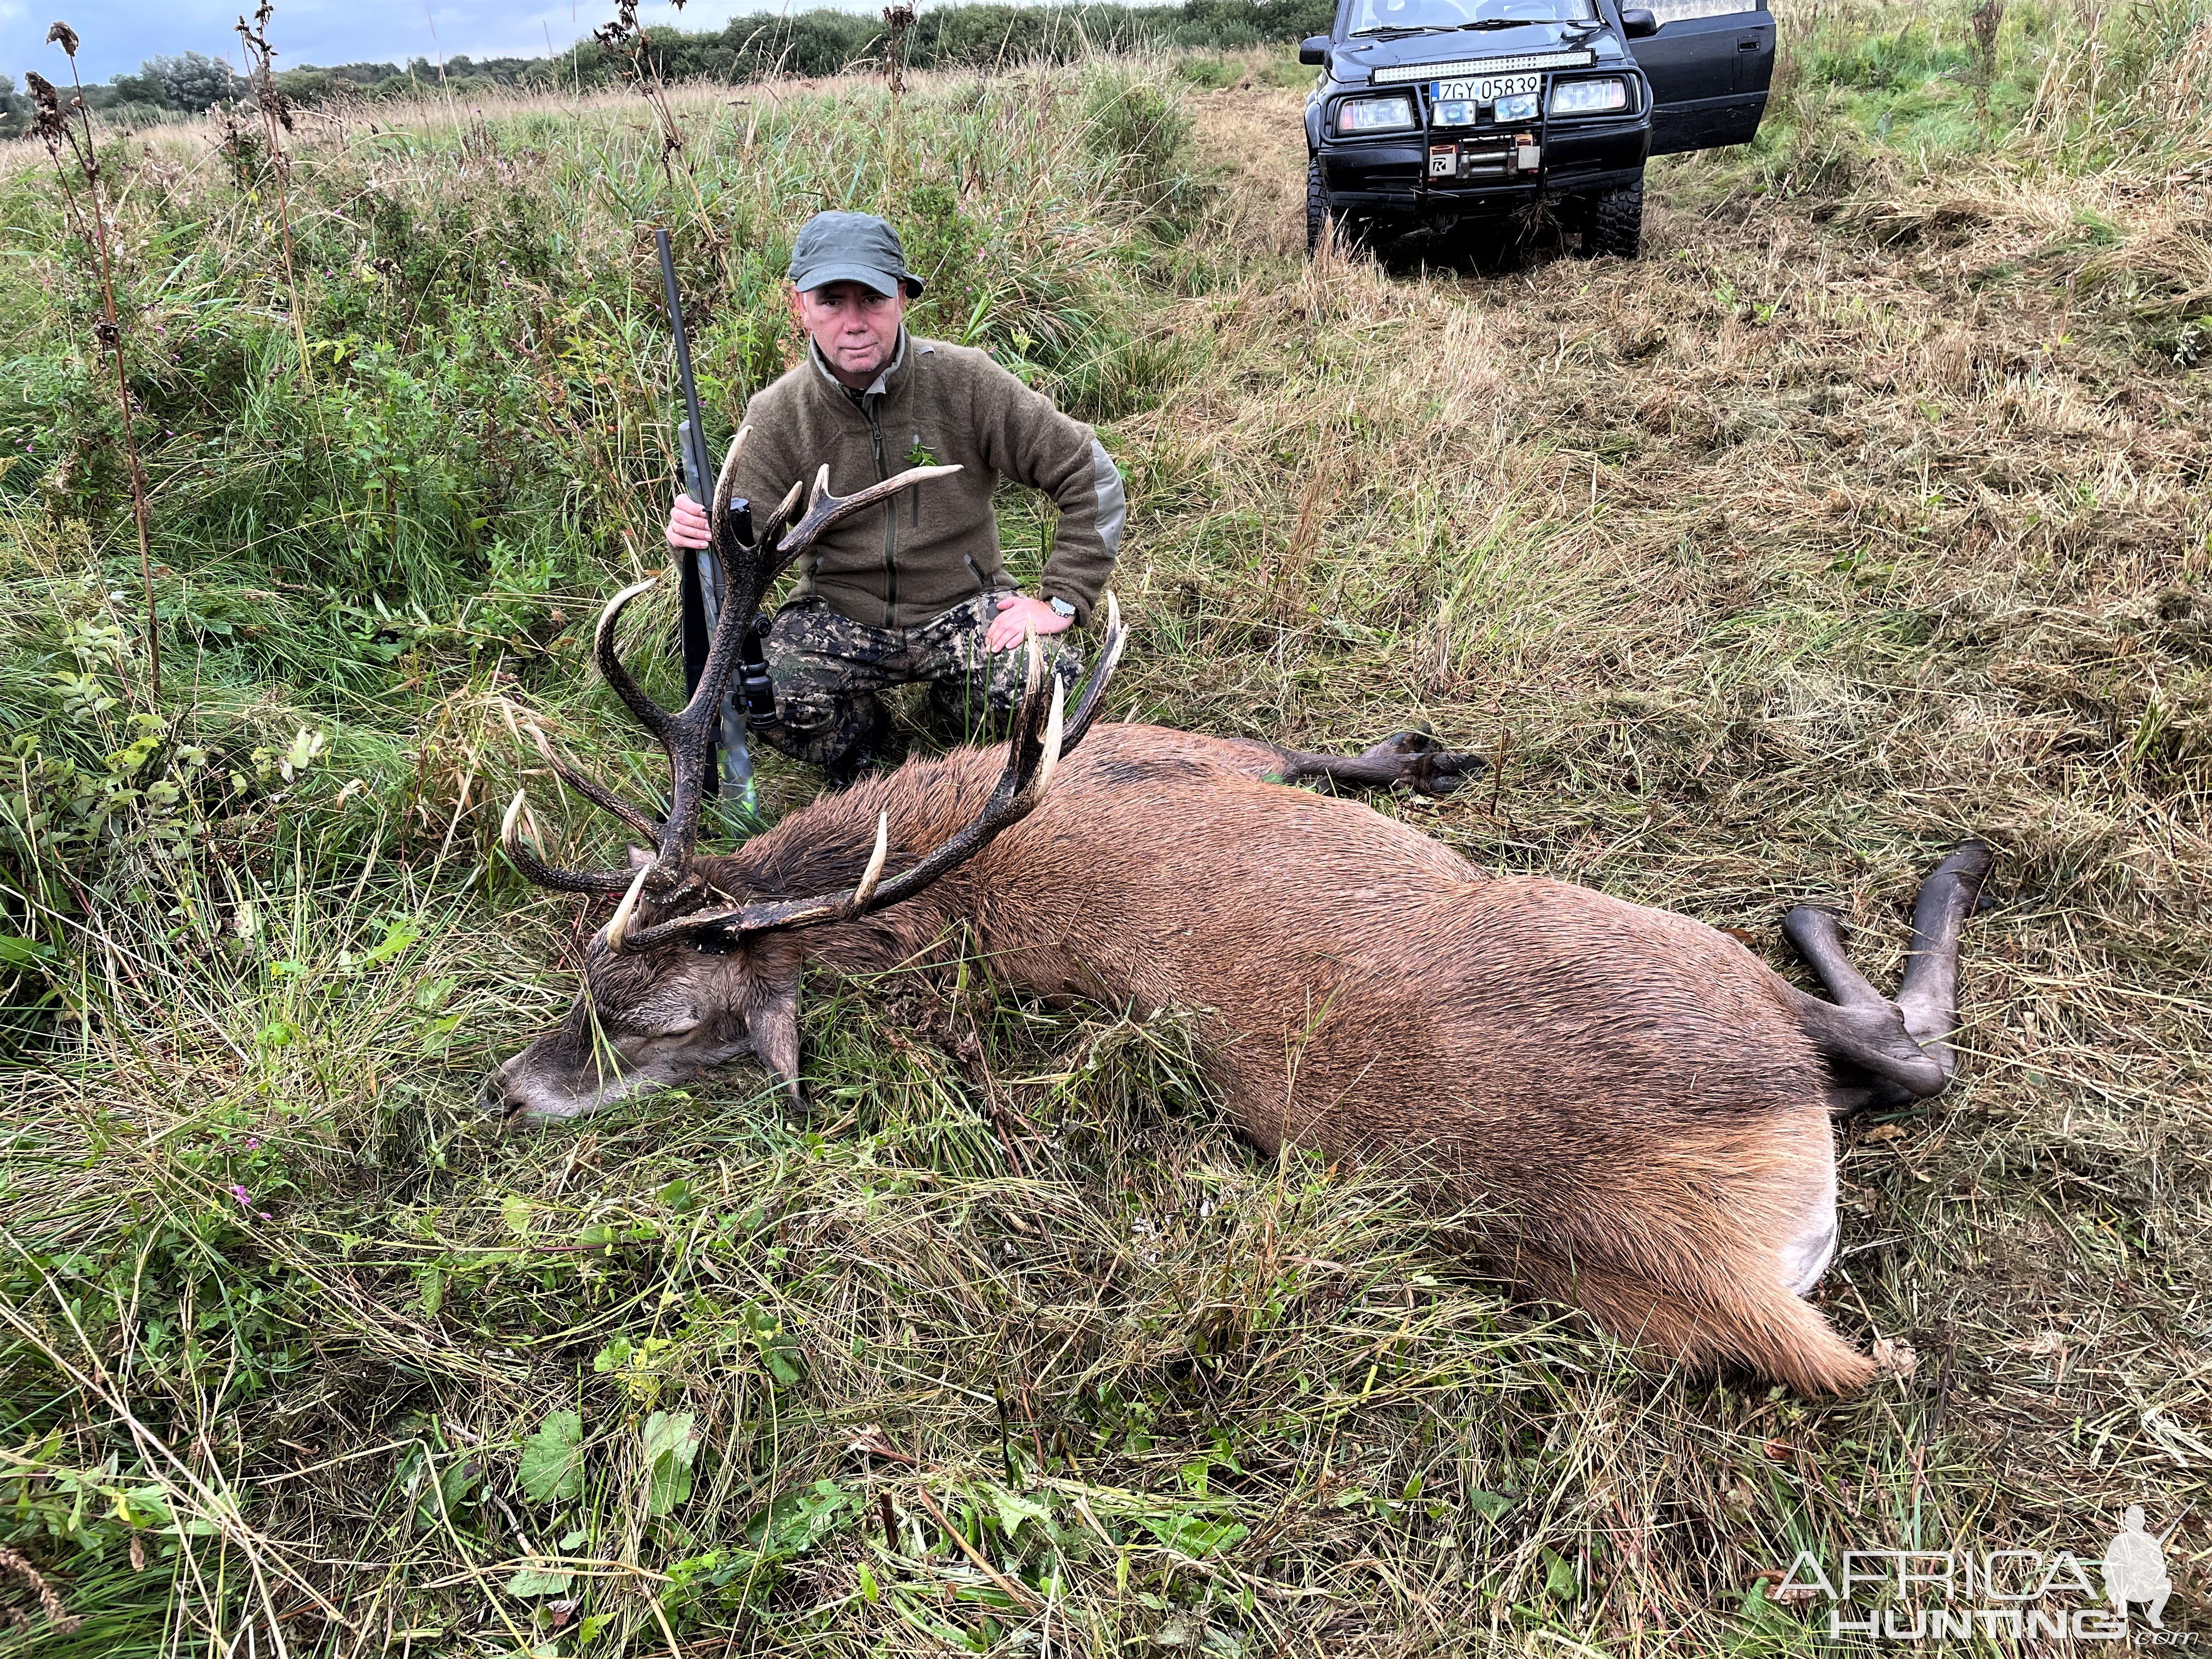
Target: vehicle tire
point(1616, 223)
point(1316, 206)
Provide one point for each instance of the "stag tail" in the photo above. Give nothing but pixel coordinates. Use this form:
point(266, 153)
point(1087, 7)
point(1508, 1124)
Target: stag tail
point(1749, 1319)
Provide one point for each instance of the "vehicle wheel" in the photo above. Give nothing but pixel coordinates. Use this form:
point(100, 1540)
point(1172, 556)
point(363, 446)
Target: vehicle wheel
point(1616, 223)
point(1316, 206)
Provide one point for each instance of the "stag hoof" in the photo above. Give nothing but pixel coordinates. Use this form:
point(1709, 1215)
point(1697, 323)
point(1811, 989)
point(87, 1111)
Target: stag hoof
point(1417, 741)
point(1447, 770)
point(1969, 864)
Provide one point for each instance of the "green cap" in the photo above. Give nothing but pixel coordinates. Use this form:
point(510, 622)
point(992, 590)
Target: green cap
point(851, 247)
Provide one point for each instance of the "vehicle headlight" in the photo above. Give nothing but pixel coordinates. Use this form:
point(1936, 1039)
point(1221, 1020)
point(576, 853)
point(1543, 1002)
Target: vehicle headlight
point(1589, 97)
point(1375, 114)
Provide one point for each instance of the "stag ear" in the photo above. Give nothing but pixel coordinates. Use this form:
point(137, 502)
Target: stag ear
point(772, 1021)
point(640, 857)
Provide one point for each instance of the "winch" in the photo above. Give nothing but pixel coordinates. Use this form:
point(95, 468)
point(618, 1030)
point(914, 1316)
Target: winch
point(1492, 157)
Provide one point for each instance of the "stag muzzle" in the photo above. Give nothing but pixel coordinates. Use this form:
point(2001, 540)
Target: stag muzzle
point(583, 1065)
point(526, 1090)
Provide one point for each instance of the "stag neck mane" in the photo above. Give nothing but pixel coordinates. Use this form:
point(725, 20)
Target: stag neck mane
point(825, 845)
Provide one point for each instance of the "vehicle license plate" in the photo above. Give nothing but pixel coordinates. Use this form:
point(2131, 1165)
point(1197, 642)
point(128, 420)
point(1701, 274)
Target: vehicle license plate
point(1486, 90)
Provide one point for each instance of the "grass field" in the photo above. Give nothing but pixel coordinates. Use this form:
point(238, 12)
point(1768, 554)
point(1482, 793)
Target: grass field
point(1870, 508)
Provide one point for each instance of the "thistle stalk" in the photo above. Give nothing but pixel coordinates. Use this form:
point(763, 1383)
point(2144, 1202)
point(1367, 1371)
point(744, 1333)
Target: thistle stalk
point(57, 131)
point(276, 112)
point(898, 18)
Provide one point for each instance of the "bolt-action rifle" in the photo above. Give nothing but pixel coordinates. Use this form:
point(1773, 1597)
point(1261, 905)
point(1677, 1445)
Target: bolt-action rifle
point(702, 584)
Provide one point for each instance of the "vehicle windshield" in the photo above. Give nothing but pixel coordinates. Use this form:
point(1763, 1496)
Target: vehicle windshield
point(1383, 16)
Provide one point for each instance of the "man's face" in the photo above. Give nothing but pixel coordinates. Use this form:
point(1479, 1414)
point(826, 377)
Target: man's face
point(855, 328)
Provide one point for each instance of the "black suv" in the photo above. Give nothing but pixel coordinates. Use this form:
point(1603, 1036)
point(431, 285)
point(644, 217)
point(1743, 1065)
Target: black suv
point(1431, 114)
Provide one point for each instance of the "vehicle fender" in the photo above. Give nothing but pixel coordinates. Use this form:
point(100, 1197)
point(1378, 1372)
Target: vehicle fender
point(1313, 123)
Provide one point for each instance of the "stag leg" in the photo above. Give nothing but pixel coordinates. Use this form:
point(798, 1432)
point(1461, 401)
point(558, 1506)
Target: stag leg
point(1891, 1053)
point(1929, 994)
point(1862, 1034)
point(1414, 758)
point(1818, 937)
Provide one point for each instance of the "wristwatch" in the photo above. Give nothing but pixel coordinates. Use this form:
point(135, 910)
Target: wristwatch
point(1062, 608)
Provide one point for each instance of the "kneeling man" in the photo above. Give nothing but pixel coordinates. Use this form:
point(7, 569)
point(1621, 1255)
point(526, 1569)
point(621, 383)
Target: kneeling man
point(918, 593)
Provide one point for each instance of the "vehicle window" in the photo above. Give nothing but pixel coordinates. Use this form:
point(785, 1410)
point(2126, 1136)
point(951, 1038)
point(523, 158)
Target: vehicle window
point(1369, 16)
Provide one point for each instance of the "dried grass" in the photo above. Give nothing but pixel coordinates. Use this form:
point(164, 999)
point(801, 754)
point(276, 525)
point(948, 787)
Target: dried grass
point(1859, 515)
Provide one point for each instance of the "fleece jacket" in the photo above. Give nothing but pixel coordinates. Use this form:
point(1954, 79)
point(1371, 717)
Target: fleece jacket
point(931, 547)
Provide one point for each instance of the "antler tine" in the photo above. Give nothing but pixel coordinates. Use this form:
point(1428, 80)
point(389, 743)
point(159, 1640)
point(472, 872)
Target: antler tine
point(650, 715)
point(743, 566)
point(823, 510)
point(1025, 742)
point(1055, 731)
point(1101, 673)
point(774, 560)
point(785, 511)
point(617, 928)
point(1030, 758)
point(535, 869)
point(725, 482)
point(597, 793)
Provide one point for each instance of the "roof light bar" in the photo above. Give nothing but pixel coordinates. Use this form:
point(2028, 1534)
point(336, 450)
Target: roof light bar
point(1531, 60)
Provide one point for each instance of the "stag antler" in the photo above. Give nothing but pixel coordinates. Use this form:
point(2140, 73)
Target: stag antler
point(686, 735)
point(1043, 733)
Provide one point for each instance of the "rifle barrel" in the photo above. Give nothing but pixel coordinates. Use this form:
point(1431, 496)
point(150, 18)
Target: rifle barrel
point(695, 449)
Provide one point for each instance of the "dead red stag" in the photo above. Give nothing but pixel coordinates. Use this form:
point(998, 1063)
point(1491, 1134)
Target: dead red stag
point(1639, 1106)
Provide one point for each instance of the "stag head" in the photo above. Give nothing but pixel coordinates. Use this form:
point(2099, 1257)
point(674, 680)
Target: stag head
point(700, 962)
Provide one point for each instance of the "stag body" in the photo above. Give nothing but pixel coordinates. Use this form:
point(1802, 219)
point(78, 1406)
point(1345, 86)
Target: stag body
point(1635, 1107)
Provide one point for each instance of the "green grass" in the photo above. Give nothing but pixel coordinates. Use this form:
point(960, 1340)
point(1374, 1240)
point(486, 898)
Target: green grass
point(1867, 510)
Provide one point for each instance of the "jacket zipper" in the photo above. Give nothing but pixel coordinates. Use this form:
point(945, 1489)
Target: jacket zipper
point(890, 523)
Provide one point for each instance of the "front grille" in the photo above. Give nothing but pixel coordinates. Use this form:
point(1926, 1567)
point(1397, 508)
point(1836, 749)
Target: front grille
point(1572, 58)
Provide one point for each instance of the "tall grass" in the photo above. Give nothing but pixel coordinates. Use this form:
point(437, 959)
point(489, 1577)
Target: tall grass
point(2052, 84)
point(1863, 512)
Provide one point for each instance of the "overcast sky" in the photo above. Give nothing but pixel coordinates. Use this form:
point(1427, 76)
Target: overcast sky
point(119, 34)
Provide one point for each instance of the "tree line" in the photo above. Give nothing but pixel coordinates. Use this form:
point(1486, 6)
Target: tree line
point(750, 48)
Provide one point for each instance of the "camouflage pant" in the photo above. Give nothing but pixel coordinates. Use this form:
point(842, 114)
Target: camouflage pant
point(829, 672)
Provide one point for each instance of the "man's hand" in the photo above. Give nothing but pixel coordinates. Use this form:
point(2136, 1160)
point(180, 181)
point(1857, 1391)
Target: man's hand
point(687, 524)
point(1018, 614)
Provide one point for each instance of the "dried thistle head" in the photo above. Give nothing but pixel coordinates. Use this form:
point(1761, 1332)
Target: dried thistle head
point(258, 53)
point(1986, 20)
point(61, 36)
point(47, 120)
point(623, 29)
